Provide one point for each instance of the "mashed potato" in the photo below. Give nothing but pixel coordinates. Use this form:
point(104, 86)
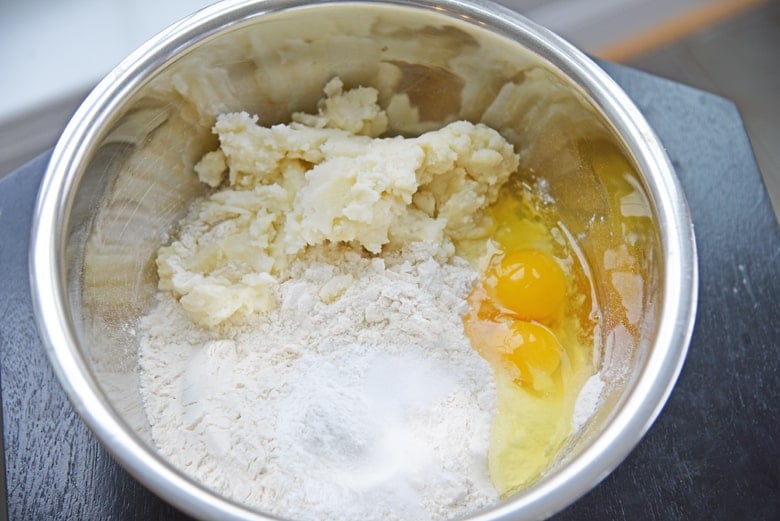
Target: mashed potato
point(324, 178)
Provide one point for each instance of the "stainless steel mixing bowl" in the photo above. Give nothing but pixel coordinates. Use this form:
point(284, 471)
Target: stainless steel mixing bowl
point(120, 178)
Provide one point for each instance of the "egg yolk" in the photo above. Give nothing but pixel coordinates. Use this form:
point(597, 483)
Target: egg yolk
point(529, 283)
point(536, 354)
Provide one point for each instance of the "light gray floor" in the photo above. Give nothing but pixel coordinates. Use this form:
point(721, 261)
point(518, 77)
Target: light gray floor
point(740, 60)
point(27, 136)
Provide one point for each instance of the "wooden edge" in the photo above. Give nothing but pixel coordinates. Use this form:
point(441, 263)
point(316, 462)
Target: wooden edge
point(675, 29)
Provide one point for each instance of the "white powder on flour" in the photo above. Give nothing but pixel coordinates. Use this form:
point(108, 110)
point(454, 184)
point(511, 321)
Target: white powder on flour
point(358, 397)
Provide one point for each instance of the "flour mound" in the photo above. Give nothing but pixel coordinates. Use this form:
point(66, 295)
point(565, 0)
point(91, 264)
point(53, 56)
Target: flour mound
point(358, 398)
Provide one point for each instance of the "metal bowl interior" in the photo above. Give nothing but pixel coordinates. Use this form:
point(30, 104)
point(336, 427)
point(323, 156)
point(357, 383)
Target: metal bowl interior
point(121, 177)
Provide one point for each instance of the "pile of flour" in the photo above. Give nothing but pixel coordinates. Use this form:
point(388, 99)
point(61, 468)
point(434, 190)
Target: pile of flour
point(358, 398)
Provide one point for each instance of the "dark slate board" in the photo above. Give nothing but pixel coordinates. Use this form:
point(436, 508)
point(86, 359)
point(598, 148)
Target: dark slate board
point(713, 454)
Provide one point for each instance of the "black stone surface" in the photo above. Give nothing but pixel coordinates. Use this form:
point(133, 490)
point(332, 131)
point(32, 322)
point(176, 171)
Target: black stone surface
point(714, 452)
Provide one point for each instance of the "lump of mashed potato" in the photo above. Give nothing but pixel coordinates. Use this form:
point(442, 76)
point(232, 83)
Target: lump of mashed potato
point(325, 178)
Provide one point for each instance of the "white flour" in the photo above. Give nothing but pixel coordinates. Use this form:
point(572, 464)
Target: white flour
point(373, 406)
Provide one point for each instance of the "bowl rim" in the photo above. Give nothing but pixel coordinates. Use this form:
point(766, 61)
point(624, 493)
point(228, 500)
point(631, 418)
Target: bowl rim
point(562, 486)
